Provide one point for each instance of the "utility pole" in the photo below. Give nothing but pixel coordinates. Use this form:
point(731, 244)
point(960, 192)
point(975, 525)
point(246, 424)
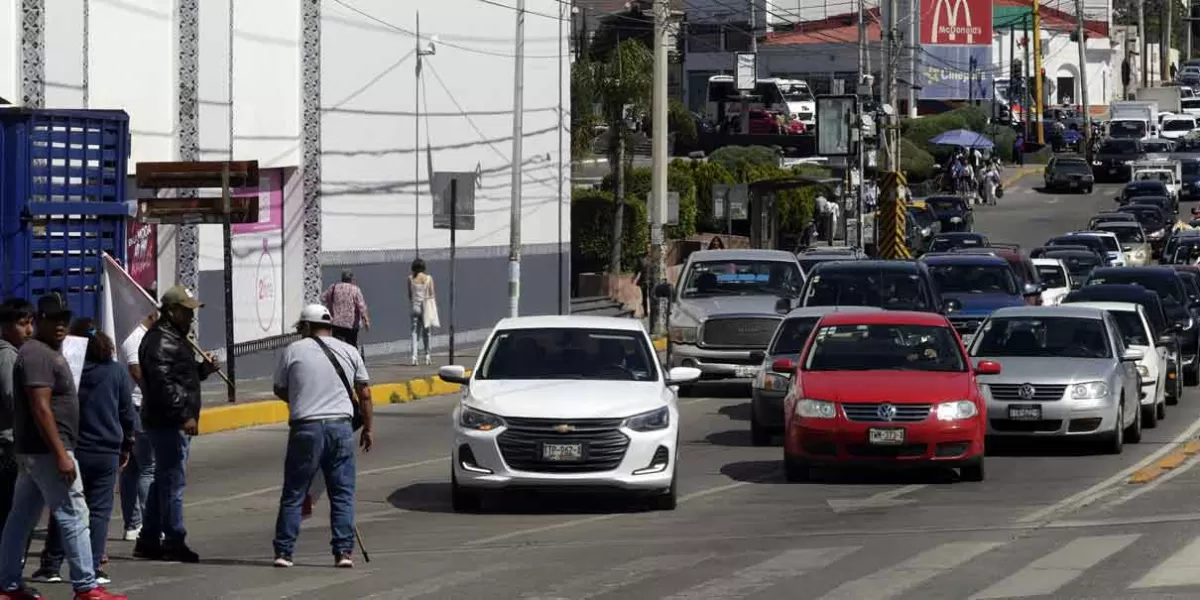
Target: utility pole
point(658, 181)
point(1027, 112)
point(1143, 46)
point(864, 74)
point(1164, 41)
point(562, 306)
point(913, 57)
point(514, 217)
point(1038, 101)
point(753, 48)
point(420, 52)
point(1083, 82)
point(891, 129)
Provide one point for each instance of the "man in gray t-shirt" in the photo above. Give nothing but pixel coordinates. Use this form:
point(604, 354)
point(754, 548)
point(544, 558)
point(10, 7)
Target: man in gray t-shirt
point(321, 379)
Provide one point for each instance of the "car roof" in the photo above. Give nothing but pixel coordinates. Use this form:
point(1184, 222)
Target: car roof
point(1048, 262)
point(866, 265)
point(569, 322)
point(743, 254)
point(1119, 224)
point(1149, 270)
point(820, 311)
point(965, 258)
point(1108, 305)
point(1062, 310)
point(885, 317)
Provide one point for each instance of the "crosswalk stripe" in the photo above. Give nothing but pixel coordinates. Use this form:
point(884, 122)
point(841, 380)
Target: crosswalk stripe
point(765, 574)
point(437, 583)
point(297, 586)
point(894, 581)
point(1051, 572)
point(630, 573)
point(1180, 569)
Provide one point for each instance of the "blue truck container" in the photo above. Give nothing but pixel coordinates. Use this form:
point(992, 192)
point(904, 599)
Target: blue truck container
point(62, 201)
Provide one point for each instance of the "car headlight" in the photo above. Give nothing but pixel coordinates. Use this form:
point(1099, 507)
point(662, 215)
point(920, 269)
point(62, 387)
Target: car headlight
point(1092, 390)
point(775, 383)
point(683, 335)
point(956, 410)
point(816, 409)
point(1143, 372)
point(925, 232)
point(649, 421)
point(478, 420)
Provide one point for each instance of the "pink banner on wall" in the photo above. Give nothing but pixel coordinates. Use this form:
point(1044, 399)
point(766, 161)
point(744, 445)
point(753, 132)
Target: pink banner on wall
point(141, 253)
point(270, 203)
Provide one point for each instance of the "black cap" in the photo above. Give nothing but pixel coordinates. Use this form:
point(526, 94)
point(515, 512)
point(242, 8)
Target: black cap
point(53, 306)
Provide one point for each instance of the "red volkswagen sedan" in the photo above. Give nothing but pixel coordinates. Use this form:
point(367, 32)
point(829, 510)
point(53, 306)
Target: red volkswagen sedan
point(888, 388)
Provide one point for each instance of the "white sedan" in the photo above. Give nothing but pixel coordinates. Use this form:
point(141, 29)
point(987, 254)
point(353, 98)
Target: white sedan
point(1152, 368)
point(566, 402)
point(1055, 278)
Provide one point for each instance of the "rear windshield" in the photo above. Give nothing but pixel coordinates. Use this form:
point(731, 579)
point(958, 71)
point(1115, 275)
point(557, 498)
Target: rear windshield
point(793, 333)
point(974, 279)
point(1166, 286)
point(1122, 146)
point(1126, 235)
point(1179, 125)
point(742, 278)
point(1072, 166)
point(946, 204)
point(942, 244)
point(1053, 276)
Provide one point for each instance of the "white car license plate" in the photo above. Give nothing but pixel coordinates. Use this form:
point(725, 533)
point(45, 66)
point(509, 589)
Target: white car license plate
point(746, 370)
point(1074, 184)
point(1025, 412)
point(562, 452)
point(885, 437)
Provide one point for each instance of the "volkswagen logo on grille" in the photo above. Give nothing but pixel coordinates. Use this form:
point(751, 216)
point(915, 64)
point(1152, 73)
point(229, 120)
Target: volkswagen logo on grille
point(1026, 392)
point(886, 412)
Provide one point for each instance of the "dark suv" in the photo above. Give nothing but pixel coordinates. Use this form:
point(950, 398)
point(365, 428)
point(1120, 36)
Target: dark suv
point(887, 284)
point(1114, 157)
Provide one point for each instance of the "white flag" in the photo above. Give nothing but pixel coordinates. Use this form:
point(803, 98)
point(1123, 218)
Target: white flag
point(126, 304)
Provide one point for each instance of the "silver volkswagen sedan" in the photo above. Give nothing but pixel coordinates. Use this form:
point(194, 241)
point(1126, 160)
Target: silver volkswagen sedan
point(1067, 372)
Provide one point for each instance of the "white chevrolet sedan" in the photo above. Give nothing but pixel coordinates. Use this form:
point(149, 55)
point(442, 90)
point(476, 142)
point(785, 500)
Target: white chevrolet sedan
point(566, 402)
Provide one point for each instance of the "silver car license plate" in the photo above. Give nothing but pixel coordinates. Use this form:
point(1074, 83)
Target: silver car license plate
point(1025, 412)
point(885, 437)
point(562, 452)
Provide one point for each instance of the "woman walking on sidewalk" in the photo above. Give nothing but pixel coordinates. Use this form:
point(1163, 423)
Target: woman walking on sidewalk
point(423, 308)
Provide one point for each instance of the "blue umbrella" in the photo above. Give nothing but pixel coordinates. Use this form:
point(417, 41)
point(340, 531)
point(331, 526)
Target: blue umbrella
point(963, 139)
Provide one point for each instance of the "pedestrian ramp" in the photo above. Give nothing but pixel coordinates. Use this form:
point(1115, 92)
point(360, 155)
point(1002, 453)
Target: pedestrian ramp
point(978, 566)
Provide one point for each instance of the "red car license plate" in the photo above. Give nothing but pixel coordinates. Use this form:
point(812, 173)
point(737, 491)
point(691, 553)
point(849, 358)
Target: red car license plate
point(885, 437)
point(1025, 412)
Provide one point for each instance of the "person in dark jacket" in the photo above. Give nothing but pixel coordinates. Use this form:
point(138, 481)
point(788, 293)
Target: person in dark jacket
point(106, 434)
point(16, 326)
point(171, 378)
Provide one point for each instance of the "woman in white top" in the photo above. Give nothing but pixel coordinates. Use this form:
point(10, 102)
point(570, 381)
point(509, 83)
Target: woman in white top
point(420, 289)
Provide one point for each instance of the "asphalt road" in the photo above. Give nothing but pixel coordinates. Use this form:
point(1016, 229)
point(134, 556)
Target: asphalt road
point(1051, 521)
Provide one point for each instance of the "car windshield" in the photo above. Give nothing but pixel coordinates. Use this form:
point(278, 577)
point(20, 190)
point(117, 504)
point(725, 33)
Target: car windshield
point(948, 205)
point(792, 335)
point(794, 92)
point(1126, 235)
point(1179, 125)
point(1053, 276)
point(1123, 146)
point(923, 216)
point(974, 279)
point(943, 244)
point(569, 353)
point(1156, 175)
point(1066, 337)
point(1163, 285)
point(1078, 264)
point(896, 290)
point(1132, 329)
point(742, 278)
point(885, 347)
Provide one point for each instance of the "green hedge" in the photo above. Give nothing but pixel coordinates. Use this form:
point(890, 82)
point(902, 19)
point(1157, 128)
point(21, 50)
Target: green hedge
point(591, 230)
point(638, 184)
point(919, 132)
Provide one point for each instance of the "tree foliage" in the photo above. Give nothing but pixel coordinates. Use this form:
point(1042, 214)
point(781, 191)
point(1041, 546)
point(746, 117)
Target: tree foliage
point(591, 230)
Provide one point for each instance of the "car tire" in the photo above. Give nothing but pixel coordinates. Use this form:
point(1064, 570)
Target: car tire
point(669, 499)
point(1134, 434)
point(973, 472)
point(1088, 190)
point(759, 435)
point(1150, 416)
point(1160, 409)
point(1191, 377)
point(796, 469)
point(463, 500)
point(1115, 442)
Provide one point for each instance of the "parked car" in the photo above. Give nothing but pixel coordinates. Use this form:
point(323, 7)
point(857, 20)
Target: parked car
point(890, 388)
point(514, 426)
point(1067, 373)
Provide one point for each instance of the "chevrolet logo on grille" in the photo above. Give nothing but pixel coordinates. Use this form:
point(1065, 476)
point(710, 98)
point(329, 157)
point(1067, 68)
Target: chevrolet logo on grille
point(564, 428)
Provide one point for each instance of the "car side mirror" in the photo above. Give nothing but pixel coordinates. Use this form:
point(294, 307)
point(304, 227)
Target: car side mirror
point(1032, 289)
point(786, 366)
point(1133, 354)
point(758, 356)
point(783, 306)
point(681, 375)
point(987, 367)
point(663, 290)
point(951, 305)
point(454, 374)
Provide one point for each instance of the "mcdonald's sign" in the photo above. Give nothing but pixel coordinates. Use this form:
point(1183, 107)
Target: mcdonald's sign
point(956, 22)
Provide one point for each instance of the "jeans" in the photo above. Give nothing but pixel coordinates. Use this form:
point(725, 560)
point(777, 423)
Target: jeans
point(419, 330)
point(135, 481)
point(163, 518)
point(327, 446)
point(346, 334)
point(8, 484)
point(99, 474)
point(39, 485)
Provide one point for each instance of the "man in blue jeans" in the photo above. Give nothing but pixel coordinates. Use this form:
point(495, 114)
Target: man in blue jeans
point(171, 378)
point(45, 431)
point(315, 376)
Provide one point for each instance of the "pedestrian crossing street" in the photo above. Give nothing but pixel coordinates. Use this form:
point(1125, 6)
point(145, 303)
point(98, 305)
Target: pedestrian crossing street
point(984, 566)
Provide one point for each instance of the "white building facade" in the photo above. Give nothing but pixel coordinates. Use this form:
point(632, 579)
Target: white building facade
point(327, 96)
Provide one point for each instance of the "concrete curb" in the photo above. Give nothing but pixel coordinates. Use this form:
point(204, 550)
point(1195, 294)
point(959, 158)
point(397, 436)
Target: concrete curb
point(270, 412)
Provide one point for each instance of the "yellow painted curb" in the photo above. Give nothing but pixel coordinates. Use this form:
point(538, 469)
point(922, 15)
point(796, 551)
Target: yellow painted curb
point(1021, 173)
point(1192, 447)
point(1167, 463)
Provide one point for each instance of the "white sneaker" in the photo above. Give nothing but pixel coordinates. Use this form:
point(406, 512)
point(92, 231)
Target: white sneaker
point(428, 359)
point(283, 561)
point(414, 360)
point(131, 535)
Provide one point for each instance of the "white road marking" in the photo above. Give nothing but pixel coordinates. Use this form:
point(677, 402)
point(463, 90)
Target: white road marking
point(143, 584)
point(437, 583)
point(1048, 574)
point(1182, 568)
point(755, 578)
point(1095, 492)
point(609, 580)
point(296, 586)
point(896, 580)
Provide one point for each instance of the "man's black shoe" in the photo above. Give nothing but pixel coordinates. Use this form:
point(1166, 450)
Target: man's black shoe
point(147, 551)
point(178, 553)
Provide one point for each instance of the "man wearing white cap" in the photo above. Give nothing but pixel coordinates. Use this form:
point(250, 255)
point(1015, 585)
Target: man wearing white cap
point(325, 384)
